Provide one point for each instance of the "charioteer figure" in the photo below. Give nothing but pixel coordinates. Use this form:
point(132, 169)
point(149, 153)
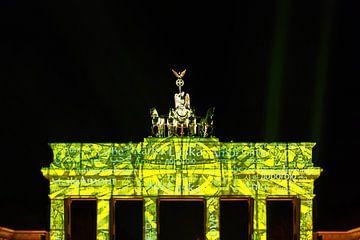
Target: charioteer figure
point(181, 120)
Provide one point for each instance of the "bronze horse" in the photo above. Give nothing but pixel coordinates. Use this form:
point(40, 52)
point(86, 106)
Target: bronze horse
point(158, 123)
point(207, 123)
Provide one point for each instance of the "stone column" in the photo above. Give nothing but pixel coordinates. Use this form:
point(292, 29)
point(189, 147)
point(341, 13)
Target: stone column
point(259, 219)
point(212, 218)
point(57, 219)
point(306, 221)
point(103, 219)
point(150, 226)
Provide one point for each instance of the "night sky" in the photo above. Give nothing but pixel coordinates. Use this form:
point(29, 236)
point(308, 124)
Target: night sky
point(86, 71)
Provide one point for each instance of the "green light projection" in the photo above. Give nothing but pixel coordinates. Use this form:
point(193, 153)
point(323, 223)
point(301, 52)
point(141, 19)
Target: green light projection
point(181, 167)
point(276, 70)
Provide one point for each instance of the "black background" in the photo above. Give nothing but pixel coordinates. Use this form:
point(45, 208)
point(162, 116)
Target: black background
point(89, 72)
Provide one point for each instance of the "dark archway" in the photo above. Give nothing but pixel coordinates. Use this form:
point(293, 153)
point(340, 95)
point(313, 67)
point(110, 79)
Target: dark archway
point(181, 219)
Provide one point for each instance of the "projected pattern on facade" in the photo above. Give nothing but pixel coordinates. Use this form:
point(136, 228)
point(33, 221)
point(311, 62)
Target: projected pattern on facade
point(181, 167)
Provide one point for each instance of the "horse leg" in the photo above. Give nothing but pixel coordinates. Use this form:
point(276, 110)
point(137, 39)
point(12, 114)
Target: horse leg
point(182, 130)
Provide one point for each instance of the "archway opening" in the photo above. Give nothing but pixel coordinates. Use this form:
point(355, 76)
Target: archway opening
point(81, 217)
point(282, 219)
point(181, 219)
point(235, 218)
point(127, 219)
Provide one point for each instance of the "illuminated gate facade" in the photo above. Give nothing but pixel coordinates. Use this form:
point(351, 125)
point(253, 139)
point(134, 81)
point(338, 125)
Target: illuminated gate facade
point(186, 164)
point(181, 167)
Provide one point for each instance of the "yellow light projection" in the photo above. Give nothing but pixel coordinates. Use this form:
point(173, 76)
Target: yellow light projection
point(181, 167)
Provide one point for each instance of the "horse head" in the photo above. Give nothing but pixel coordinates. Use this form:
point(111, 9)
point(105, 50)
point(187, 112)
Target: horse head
point(210, 114)
point(153, 113)
point(206, 123)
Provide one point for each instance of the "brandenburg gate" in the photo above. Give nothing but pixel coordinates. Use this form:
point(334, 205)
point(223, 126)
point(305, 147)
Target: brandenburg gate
point(182, 160)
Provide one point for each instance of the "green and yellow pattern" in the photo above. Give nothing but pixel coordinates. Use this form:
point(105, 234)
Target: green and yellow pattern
point(181, 167)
